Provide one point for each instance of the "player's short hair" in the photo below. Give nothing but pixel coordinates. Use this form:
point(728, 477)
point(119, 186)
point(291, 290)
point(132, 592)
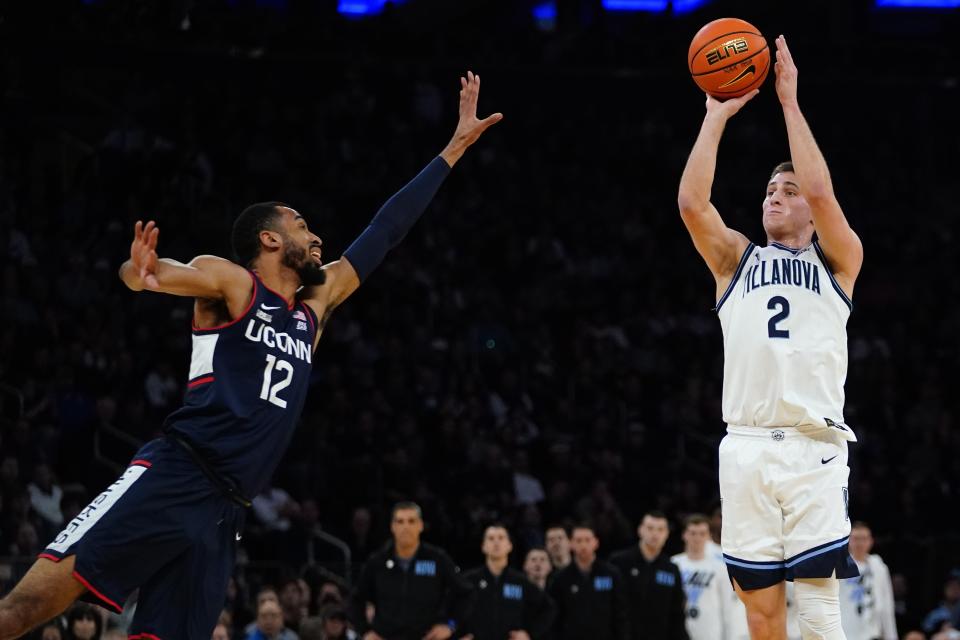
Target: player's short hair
point(247, 227)
point(780, 168)
point(860, 524)
point(556, 525)
point(655, 513)
point(537, 549)
point(498, 525)
point(584, 525)
point(694, 519)
point(406, 506)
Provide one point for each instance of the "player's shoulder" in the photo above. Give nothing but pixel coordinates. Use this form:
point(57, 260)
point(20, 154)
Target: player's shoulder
point(208, 261)
point(606, 566)
point(432, 551)
point(678, 558)
point(622, 555)
point(473, 573)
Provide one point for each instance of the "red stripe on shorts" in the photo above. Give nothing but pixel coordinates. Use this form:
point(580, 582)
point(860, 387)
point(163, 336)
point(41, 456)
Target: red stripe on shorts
point(94, 591)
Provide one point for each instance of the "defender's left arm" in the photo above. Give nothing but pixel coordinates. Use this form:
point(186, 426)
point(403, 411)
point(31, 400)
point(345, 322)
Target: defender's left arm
point(401, 211)
point(840, 243)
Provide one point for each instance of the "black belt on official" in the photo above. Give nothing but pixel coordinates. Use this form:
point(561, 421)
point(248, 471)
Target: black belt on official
point(225, 485)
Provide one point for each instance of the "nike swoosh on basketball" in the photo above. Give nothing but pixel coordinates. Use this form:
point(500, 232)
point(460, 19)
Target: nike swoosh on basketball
point(743, 74)
point(822, 461)
point(266, 308)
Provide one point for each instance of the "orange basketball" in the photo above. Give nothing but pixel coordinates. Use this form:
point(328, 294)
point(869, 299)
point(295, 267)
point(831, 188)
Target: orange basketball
point(728, 58)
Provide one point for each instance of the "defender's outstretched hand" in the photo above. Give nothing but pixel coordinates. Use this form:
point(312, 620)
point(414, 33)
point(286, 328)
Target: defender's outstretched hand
point(469, 128)
point(143, 253)
point(786, 72)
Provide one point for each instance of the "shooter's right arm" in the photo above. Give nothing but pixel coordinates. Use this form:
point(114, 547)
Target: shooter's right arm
point(207, 277)
point(720, 246)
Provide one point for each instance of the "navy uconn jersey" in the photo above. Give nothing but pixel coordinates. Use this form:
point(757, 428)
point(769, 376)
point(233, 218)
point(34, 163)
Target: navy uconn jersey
point(784, 321)
point(247, 385)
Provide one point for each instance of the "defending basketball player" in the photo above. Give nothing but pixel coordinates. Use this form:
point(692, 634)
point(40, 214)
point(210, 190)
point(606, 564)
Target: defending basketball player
point(170, 524)
point(783, 308)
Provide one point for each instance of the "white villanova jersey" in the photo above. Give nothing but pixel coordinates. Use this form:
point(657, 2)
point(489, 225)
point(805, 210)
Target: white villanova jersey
point(711, 601)
point(784, 321)
point(866, 602)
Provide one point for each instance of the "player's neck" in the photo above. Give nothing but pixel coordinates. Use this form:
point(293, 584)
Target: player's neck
point(496, 565)
point(860, 559)
point(278, 278)
point(791, 241)
point(649, 553)
point(585, 567)
point(406, 551)
point(693, 555)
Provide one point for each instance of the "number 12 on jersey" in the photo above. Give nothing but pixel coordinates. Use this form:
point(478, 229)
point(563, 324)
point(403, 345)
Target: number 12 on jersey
point(269, 390)
point(782, 305)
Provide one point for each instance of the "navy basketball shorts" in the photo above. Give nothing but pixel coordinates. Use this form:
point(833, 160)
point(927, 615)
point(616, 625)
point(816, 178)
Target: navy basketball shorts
point(161, 527)
point(784, 502)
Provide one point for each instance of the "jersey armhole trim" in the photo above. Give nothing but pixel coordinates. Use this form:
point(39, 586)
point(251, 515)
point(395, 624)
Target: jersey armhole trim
point(833, 281)
point(736, 276)
point(253, 299)
point(311, 315)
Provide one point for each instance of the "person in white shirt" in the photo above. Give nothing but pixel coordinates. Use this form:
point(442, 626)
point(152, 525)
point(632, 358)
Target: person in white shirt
point(866, 602)
point(711, 601)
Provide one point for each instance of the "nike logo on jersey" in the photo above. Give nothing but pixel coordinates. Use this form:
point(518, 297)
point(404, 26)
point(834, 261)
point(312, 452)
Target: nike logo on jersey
point(266, 308)
point(822, 461)
point(239, 537)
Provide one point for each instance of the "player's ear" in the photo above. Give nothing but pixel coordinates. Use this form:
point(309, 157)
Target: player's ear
point(270, 239)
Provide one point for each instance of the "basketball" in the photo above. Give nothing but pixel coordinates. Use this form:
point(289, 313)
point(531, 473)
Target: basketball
point(728, 58)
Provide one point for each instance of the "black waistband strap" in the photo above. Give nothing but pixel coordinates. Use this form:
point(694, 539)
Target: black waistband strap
point(226, 487)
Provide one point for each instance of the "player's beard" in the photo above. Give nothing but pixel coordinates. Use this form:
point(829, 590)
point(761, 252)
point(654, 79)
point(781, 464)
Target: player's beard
point(298, 259)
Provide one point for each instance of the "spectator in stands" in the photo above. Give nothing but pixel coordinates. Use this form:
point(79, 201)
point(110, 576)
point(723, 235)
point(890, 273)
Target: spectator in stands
point(220, 632)
point(269, 624)
point(537, 566)
point(52, 630)
point(558, 546)
point(415, 588)
point(653, 583)
point(590, 594)
point(866, 602)
point(45, 496)
point(506, 604)
point(948, 613)
point(84, 622)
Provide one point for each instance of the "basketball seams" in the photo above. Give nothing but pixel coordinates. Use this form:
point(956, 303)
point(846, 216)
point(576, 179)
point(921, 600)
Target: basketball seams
point(715, 38)
point(752, 56)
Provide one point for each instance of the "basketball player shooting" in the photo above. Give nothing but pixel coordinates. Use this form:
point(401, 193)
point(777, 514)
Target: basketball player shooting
point(170, 524)
point(783, 309)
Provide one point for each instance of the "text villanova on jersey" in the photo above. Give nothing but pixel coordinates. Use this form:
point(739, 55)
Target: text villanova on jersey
point(791, 271)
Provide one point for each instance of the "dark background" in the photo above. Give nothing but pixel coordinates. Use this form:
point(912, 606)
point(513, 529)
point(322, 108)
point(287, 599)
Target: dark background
point(549, 306)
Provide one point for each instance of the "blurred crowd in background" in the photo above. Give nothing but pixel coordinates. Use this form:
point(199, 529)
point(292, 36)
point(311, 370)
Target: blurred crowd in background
point(541, 348)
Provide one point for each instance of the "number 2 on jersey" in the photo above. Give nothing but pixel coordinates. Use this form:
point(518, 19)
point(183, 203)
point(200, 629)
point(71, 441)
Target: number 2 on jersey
point(269, 390)
point(782, 305)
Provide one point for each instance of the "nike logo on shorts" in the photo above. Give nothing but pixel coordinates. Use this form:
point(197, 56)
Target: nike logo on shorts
point(822, 461)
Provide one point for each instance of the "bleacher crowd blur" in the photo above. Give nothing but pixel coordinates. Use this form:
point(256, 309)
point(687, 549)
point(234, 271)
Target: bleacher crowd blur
point(541, 348)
